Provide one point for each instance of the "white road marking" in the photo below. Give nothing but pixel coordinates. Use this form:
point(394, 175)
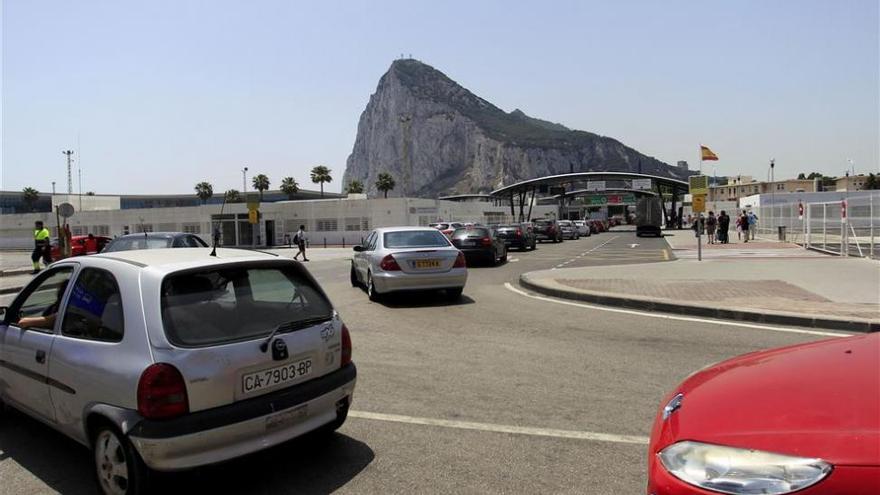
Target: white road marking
point(495, 428)
point(513, 260)
point(665, 316)
point(633, 245)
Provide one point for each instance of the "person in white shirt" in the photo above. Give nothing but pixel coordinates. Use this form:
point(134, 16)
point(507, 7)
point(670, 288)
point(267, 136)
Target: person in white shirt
point(300, 240)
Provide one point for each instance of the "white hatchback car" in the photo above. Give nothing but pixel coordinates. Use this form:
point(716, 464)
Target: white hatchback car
point(169, 359)
point(397, 259)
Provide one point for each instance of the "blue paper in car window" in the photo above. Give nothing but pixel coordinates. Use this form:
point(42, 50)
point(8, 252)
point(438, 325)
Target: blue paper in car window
point(82, 299)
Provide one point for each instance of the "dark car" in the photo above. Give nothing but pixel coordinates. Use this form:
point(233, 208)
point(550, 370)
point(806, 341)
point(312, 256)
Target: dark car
point(517, 235)
point(547, 230)
point(480, 243)
point(154, 240)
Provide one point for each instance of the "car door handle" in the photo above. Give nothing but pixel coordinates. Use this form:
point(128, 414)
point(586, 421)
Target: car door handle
point(41, 357)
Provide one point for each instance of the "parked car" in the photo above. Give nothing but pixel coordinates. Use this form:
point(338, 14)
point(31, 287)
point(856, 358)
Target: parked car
point(172, 359)
point(517, 235)
point(81, 245)
point(446, 227)
point(547, 230)
point(803, 419)
point(480, 244)
point(582, 228)
point(154, 240)
point(569, 229)
point(395, 259)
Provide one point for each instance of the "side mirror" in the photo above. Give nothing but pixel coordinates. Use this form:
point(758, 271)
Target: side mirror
point(358, 249)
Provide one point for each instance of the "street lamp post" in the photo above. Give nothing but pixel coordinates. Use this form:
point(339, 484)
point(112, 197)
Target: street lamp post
point(244, 180)
point(772, 189)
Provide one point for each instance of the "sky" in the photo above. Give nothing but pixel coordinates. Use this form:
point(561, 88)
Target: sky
point(156, 96)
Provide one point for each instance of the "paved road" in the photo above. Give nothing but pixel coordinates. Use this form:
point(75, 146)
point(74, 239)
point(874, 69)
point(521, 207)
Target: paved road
point(442, 386)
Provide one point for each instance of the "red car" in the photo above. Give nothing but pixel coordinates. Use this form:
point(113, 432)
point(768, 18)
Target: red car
point(80, 245)
point(803, 419)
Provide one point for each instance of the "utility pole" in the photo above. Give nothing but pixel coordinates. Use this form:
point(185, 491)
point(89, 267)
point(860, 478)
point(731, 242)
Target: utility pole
point(772, 189)
point(80, 172)
point(69, 174)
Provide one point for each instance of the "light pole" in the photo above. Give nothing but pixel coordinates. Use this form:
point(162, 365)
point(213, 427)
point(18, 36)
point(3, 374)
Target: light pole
point(244, 180)
point(772, 187)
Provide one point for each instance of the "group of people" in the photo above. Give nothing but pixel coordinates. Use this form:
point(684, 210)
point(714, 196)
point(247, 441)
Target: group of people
point(718, 227)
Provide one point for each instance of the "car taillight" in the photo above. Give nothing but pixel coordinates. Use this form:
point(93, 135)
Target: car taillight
point(346, 347)
point(486, 241)
point(161, 393)
point(459, 261)
point(389, 264)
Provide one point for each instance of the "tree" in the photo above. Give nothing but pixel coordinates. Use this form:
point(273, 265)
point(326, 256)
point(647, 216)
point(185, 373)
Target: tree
point(355, 187)
point(872, 182)
point(260, 183)
point(233, 196)
point(385, 183)
point(30, 195)
point(802, 176)
point(289, 186)
point(204, 191)
point(320, 175)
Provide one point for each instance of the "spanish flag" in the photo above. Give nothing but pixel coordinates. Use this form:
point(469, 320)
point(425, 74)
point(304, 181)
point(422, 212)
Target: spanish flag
point(706, 154)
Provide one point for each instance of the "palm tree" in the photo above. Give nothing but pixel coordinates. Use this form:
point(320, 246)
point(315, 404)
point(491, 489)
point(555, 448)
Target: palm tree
point(320, 175)
point(261, 183)
point(204, 191)
point(233, 196)
point(385, 183)
point(30, 195)
point(289, 186)
point(355, 187)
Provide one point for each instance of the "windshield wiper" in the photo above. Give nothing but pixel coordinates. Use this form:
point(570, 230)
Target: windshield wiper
point(291, 326)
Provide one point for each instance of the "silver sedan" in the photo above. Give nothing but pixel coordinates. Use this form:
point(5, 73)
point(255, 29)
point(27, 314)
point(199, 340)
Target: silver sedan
point(408, 258)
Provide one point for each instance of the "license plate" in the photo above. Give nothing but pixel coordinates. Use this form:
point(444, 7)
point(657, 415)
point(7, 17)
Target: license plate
point(425, 264)
point(271, 377)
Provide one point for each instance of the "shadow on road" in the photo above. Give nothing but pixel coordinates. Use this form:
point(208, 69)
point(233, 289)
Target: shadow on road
point(422, 299)
point(310, 464)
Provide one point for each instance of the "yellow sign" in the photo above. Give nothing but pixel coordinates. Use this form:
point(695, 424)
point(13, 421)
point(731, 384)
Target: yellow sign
point(699, 184)
point(253, 216)
point(698, 203)
point(253, 201)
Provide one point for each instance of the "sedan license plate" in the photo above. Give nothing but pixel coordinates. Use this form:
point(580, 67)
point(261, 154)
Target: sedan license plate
point(427, 264)
point(271, 377)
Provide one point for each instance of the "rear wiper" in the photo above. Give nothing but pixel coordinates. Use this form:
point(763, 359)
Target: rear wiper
point(292, 325)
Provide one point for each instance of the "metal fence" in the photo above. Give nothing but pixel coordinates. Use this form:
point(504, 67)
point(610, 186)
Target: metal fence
point(823, 227)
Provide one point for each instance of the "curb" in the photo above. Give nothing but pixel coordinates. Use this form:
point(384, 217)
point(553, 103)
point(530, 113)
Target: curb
point(17, 271)
point(646, 304)
point(10, 290)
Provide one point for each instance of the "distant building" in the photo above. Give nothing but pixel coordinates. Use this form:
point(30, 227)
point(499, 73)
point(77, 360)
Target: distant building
point(682, 165)
point(741, 186)
point(851, 183)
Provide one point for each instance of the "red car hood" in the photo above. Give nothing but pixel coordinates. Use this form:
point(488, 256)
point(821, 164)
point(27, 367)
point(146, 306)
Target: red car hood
point(812, 400)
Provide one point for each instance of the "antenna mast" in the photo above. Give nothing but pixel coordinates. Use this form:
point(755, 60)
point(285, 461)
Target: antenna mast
point(69, 174)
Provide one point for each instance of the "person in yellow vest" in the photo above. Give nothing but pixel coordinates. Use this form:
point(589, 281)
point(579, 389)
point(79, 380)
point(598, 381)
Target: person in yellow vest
point(41, 246)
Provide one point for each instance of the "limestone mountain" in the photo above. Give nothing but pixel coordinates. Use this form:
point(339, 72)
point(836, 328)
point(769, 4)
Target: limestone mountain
point(436, 138)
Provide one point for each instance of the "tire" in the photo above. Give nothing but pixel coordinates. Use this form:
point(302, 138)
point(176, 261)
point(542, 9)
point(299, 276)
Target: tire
point(454, 294)
point(353, 276)
point(118, 467)
point(371, 289)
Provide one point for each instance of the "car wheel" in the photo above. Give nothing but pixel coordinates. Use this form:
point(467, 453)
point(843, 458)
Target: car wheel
point(454, 294)
point(353, 276)
point(118, 467)
point(371, 288)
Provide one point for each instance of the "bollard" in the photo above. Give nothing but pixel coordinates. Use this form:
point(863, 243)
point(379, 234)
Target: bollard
point(343, 242)
point(325, 242)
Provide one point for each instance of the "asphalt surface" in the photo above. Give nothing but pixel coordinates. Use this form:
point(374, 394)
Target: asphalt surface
point(497, 393)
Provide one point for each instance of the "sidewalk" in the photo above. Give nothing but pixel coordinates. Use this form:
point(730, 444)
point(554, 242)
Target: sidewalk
point(770, 283)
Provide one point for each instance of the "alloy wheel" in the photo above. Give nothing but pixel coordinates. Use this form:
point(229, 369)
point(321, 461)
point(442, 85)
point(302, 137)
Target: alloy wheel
point(111, 464)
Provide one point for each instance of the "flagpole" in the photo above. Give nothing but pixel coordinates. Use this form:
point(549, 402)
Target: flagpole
point(700, 150)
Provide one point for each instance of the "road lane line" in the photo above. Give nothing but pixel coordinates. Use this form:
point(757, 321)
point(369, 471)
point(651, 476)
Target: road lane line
point(495, 428)
point(665, 316)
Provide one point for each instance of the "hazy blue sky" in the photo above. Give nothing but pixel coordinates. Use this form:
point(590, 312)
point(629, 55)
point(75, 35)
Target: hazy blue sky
point(163, 94)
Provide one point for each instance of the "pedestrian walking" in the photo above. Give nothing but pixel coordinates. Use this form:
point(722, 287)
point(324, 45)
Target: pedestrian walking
point(723, 227)
point(753, 223)
point(711, 225)
point(300, 240)
point(41, 246)
point(744, 225)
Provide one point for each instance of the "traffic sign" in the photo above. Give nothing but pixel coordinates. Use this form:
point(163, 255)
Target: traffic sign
point(698, 203)
point(253, 201)
point(253, 216)
point(641, 184)
point(699, 184)
point(65, 210)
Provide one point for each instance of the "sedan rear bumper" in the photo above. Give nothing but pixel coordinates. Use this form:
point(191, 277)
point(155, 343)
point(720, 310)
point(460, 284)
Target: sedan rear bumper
point(227, 432)
point(401, 281)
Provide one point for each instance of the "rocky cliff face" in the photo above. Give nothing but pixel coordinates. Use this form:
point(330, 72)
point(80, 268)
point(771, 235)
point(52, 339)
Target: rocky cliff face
point(437, 138)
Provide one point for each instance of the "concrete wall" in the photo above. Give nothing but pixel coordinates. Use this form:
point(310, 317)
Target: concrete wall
point(332, 220)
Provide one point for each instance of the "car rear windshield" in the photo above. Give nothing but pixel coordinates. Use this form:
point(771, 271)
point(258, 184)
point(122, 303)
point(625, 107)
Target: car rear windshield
point(471, 232)
point(414, 238)
point(222, 305)
point(129, 244)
